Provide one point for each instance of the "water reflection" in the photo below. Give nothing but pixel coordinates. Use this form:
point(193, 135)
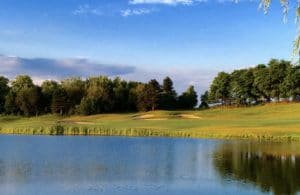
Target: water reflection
point(273, 167)
point(104, 160)
point(62, 165)
point(135, 166)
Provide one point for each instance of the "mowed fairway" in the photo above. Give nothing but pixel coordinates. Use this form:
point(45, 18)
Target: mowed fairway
point(272, 121)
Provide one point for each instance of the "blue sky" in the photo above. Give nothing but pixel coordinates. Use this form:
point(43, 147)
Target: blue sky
point(190, 40)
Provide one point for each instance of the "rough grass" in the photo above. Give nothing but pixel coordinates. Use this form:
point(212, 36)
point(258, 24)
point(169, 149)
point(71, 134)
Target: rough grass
point(272, 121)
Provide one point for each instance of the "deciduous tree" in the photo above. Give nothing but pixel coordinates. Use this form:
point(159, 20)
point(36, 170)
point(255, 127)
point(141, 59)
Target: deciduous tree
point(4, 89)
point(220, 88)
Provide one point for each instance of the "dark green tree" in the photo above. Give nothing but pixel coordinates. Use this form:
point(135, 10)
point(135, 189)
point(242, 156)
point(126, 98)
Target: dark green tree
point(141, 97)
point(10, 103)
point(242, 86)
point(132, 95)
point(153, 92)
point(262, 82)
point(168, 96)
point(21, 82)
point(290, 87)
point(278, 71)
point(100, 89)
point(204, 101)
point(75, 89)
point(48, 89)
point(121, 94)
point(4, 89)
point(220, 89)
point(87, 106)
point(188, 99)
point(60, 104)
point(148, 95)
point(27, 100)
point(26, 96)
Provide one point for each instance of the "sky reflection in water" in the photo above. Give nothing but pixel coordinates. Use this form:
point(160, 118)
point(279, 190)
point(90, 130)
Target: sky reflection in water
point(114, 165)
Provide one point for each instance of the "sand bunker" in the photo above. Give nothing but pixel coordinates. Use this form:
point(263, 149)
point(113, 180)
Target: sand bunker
point(155, 119)
point(189, 116)
point(84, 123)
point(77, 122)
point(145, 116)
point(149, 117)
point(152, 117)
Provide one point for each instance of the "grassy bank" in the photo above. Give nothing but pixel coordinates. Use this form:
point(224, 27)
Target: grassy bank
point(272, 121)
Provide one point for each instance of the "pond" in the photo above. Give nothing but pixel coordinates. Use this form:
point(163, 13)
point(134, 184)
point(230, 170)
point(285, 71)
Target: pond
point(129, 166)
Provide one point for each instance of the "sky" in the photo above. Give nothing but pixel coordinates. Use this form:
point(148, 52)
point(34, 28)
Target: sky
point(188, 40)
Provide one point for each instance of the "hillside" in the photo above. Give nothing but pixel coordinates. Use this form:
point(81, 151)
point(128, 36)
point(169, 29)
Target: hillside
point(272, 121)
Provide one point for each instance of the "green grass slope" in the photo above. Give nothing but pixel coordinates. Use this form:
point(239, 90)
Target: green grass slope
point(272, 121)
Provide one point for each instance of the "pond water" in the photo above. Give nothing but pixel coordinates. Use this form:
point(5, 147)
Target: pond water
point(129, 166)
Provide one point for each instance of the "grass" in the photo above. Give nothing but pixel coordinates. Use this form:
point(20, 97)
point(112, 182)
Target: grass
point(271, 121)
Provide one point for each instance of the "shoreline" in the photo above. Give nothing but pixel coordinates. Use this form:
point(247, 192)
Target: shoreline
point(144, 133)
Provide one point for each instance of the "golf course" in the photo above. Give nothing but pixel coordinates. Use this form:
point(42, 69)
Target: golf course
point(274, 121)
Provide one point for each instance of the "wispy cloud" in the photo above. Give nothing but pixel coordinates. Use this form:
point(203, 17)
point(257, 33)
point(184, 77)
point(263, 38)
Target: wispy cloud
point(166, 2)
point(87, 9)
point(184, 2)
point(139, 11)
point(132, 10)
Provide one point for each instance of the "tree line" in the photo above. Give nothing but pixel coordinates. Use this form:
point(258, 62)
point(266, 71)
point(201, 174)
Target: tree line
point(93, 95)
point(279, 80)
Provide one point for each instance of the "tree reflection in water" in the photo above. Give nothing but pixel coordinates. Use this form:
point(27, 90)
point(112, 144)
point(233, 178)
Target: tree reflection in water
point(273, 167)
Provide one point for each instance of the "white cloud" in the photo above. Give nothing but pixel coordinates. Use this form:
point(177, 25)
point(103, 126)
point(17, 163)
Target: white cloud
point(8, 63)
point(140, 11)
point(166, 2)
point(46, 68)
point(87, 9)
point(41, 69)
